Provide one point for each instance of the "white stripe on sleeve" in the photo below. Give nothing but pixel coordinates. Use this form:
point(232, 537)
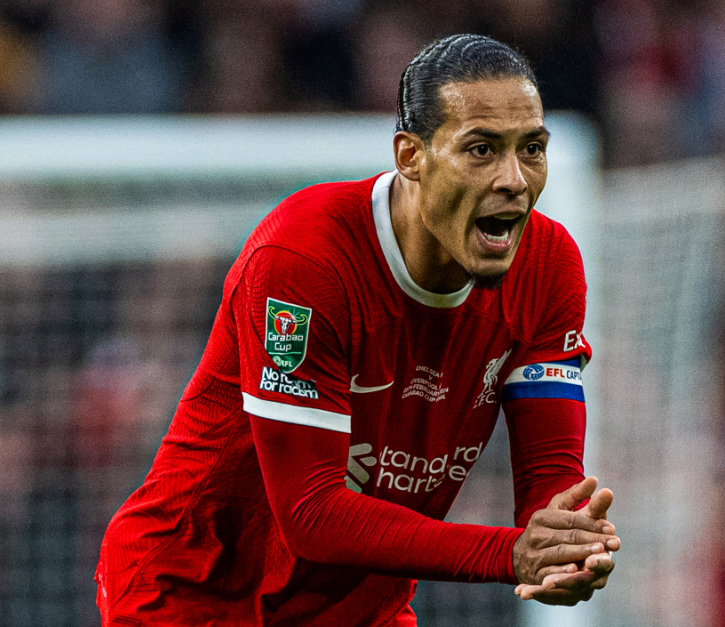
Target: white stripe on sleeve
point(296, 415)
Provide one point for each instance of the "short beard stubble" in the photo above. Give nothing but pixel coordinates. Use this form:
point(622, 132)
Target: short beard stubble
point(486, 281)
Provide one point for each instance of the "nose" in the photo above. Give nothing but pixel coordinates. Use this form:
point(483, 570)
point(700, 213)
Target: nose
point(509, 177)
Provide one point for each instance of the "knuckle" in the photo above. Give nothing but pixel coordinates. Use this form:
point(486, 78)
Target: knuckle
point(576, 536)
point(537, 517)
point(537, 538)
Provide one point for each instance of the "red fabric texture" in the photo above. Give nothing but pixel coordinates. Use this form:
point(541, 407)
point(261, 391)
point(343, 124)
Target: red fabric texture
point(546, 437)
point(323, 522)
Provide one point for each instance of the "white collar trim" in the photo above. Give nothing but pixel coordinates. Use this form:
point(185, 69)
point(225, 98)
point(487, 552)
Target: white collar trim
point(384, 228)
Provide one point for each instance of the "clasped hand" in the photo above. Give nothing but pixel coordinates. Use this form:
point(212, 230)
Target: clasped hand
point(563, 556)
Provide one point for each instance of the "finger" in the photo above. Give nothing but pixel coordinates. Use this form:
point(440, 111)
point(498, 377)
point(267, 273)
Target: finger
point(562, 597)
point(527, 591)
point(602, 564)
point(569, 583)
point(562, 589)
point(561, 519)
point(577, 583)
point(600, 502)
point(556, 569)
point(570, 498)
point(548, 583)
point(558, 597)
point(581, 581)
point(577, 536)
point(568, 553)
point(598, 584)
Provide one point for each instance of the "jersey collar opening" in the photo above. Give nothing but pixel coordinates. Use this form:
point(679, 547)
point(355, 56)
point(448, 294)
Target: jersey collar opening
point(384, 228)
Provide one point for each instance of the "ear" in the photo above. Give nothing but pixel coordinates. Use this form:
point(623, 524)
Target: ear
point(410, 154)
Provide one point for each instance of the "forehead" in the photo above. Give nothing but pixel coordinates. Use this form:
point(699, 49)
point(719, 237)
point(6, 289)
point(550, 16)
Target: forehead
point(504, 105)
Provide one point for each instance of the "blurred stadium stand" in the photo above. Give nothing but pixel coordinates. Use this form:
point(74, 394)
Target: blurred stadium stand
point(637, 67)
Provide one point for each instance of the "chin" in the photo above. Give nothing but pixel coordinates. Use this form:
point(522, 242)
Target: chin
point(487, 281)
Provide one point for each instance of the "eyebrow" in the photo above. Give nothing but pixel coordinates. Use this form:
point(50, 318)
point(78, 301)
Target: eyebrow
point(489, 134)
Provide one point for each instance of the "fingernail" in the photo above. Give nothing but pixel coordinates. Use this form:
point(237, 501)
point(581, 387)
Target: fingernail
point(571, 568)
point(596, 548)
point(608, 530)
point(613, 543)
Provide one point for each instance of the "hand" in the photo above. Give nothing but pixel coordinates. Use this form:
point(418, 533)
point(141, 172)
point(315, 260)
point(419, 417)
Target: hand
point(558, 541)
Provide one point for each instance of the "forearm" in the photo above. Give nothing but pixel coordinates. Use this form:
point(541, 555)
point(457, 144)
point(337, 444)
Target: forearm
point(343, 527)
point(547, 448)
point(324, 522)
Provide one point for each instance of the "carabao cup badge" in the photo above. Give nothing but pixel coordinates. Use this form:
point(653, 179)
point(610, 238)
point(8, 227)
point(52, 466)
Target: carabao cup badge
point(286, 333)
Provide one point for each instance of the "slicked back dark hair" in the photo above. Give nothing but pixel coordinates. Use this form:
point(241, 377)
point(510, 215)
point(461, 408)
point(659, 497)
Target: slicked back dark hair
point(454, 59)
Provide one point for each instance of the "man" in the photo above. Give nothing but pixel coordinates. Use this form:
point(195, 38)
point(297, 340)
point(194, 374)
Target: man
point(368, 334)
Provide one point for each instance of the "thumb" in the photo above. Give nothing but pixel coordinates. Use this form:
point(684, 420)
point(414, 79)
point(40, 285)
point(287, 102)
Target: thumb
point(569, 499)
point(600, 502)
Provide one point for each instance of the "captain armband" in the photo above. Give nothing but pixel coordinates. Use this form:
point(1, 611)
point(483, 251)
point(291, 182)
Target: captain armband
point(559, 379)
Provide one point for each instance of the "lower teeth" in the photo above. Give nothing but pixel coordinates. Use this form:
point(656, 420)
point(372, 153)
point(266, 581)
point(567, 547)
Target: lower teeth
point(498, 238)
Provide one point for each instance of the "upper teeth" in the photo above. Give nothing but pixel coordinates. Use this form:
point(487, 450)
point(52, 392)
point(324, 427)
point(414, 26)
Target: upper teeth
point(505, 216)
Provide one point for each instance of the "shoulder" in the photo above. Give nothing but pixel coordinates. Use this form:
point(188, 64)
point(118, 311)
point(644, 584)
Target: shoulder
point(546, 237)
point(318, 223)
point(546, 274)
point(547, 252)
point(546, 299)
point(330, 195)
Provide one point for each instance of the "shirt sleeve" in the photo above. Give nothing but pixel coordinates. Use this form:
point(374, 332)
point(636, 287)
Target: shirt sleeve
point(546, 436)
point(543, 398)
point(558, 332)
point(322, 521)
point(293, 327)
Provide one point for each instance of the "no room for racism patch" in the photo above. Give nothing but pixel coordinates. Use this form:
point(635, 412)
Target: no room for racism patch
point(275, 381)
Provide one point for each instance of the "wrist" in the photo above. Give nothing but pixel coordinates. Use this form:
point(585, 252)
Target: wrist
point(513, 565)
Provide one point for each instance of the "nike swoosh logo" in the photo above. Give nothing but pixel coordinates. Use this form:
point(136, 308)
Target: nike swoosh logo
point(354, 387)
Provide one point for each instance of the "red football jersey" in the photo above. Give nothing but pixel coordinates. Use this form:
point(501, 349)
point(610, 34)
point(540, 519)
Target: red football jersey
point(321, 326)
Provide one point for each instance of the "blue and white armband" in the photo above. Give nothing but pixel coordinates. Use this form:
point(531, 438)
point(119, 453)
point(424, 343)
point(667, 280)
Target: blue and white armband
point(559, 379)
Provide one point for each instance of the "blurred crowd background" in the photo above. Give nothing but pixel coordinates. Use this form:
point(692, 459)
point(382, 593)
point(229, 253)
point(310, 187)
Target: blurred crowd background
point(637, 67)
point(93, 356)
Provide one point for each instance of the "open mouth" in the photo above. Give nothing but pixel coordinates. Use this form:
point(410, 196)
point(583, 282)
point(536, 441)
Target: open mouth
point(497, 229)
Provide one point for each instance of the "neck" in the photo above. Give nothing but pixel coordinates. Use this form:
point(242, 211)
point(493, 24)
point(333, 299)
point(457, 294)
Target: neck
point(428, 263)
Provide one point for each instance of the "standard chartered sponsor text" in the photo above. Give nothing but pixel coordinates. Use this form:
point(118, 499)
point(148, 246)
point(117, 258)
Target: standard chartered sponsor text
point(402, 471)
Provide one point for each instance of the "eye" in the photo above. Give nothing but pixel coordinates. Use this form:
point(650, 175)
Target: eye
point(481, 150)
point(534, 149)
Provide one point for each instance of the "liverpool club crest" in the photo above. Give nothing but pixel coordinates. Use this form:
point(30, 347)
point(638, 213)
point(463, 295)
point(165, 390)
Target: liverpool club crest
point(490, 379)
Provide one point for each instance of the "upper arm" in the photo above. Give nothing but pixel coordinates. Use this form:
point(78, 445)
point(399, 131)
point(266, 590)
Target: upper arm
point(558, 331)
point(293, 329)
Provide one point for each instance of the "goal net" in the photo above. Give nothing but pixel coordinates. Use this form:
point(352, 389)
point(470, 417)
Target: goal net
point(659, 388)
